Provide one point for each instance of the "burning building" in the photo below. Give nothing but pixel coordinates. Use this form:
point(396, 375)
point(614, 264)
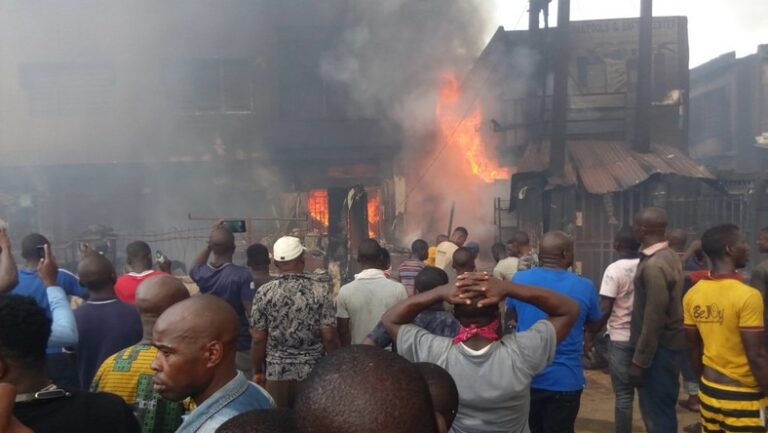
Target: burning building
point(136, 115)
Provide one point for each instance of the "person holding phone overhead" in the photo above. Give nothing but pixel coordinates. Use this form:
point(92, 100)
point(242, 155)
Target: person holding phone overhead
point(222, 278)
point(60, 364)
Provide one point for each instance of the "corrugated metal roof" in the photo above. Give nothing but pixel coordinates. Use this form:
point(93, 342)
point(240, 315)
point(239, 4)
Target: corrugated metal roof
point(609, 166)
point(605, 166)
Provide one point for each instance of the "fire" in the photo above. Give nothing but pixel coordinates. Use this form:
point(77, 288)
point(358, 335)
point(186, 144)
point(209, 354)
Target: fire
point(317, 206)
point(464, 135)
point(374, 215)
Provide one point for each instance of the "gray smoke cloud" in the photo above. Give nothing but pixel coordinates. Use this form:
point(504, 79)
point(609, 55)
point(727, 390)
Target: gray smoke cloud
point(391, 54)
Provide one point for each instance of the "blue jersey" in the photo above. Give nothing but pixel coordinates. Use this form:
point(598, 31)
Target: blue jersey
point(566, 372)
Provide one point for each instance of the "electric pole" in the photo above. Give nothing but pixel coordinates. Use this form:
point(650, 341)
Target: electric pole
point(644, 77)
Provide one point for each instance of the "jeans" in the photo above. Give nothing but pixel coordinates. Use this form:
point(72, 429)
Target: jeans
point(689, 377)
point(658, 395)
point(619, 358)
point(553, 411)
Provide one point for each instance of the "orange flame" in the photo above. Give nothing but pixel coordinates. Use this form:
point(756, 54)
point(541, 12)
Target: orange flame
point(317, 206)
point(374, 216)
point(464, 135)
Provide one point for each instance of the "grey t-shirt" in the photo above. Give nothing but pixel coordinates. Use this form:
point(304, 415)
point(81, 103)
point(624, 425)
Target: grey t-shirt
point(365, 300)
point(494, 384)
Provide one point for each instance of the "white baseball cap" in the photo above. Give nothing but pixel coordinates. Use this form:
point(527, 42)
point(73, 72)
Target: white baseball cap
point(287, 248)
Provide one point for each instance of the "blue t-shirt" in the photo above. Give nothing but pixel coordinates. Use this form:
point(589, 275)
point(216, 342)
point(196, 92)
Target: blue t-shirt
point(231, 283)
point(32, 286)
point(566, 372)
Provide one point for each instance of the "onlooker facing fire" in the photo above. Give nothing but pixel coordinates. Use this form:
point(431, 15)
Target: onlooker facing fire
point(445, 250)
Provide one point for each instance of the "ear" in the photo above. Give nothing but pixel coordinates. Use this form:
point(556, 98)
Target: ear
point(729, 250)
point(214, 353)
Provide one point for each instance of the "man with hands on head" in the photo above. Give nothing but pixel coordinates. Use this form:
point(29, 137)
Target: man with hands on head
point(493, 373)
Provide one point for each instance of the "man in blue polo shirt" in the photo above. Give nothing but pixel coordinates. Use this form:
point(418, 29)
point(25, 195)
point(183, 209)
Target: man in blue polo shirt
point(60, 365)
point(556, 391)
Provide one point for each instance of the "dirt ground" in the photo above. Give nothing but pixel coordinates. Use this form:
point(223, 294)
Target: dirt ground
point(596, 414)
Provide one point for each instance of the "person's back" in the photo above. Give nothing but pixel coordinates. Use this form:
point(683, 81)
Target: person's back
point(293, 308)
point(43, 406)
point(128, 373)
point(506, 268)
point(365, 300)
point(494, 383)
point(105, 328)
point(719, 308)
point(566, 372)
point(105, 325)
point(232, 283)
point(77, 412)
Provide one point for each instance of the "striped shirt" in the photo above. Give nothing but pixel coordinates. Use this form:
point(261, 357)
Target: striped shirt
point(408, 271)
point(128, 375)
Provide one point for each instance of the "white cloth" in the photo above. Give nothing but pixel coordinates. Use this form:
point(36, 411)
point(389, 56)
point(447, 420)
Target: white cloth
point(365, 300)
point(506, 268)
point(619, 284)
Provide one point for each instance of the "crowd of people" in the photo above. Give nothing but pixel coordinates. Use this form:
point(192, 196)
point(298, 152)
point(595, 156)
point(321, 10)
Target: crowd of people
point(435, 345)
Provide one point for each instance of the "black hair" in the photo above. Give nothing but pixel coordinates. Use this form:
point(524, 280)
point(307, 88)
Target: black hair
point(764, 229)
point(396, 396)
point(419, 247)
point(715, 240)
point(258, 255)
point(626, 239)
point(261, 421)
point(138, 249)
point(29, 246)
point(463, 258)
point(499, 251)
point(470, 314)
point(385, 259)
point(429, 278)
point(24, 331)
point(520, 237)
point(461, 230)
point(369, 252)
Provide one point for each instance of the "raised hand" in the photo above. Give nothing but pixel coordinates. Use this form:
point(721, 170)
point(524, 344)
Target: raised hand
point(482, 288)
point(47, 268)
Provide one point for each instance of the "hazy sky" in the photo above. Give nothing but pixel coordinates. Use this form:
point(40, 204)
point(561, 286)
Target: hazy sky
point(714, 26)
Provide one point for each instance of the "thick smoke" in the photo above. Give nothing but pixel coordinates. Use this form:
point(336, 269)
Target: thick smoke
point(392, 54)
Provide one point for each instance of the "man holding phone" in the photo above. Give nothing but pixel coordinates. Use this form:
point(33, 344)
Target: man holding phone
point(222, 278)
point(59, 363)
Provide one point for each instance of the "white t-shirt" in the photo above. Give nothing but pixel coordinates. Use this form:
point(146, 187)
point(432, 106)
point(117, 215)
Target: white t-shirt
point(444, 254)
point(365, 300)
point(618, 283)
point(494, 383)
point(506, 268)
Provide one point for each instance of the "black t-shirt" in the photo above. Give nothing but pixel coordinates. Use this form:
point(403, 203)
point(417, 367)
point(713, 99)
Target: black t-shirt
point(82, 412)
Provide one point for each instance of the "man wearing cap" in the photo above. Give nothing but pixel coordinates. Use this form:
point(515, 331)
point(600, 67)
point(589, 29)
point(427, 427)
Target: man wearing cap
point(293, 323)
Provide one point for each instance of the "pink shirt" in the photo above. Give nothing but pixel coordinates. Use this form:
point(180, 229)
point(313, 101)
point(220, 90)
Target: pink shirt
point(618, 283)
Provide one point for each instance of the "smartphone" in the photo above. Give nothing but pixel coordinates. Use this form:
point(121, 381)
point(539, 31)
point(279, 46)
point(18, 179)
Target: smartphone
point(160, 257)
point(40, 251)
point(235, 226)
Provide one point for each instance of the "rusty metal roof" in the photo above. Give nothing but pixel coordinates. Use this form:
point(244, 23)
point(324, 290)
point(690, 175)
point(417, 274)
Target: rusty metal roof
point(609, 166)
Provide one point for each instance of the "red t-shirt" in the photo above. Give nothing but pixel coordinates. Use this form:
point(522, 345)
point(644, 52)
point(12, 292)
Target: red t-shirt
point(126, 285)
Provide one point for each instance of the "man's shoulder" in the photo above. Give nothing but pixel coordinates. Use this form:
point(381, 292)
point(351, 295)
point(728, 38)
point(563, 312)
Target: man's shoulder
point(762, 267)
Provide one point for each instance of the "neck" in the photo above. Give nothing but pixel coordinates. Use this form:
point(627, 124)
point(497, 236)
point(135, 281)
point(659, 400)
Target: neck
point(628, 254)
point(478, 343)
point(221, 260)
point(722, 267)
point(30, 265)
point(28, 381)
point(101, 294)
point(650, 241)
point(139, 268)
point(551, 264)
point(366, 266)
point(147, 325)
point(218, 382)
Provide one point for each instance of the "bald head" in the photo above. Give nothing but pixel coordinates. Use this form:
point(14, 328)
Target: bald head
point(157, 294)
point(650, 225)
point(96, 273)
point(556, 250)
point(337, 396)
point(201, 318)
point(195, 339)
point(222, 242)
point(677, 239)
point(463, 260)
point(442, 389)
